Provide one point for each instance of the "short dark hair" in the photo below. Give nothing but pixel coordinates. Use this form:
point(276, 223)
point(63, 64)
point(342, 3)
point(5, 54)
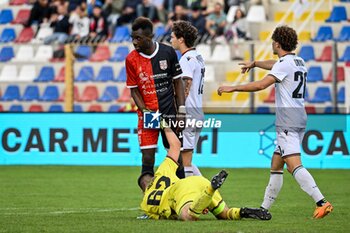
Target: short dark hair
point(142, 23)
point(286, 37)
point(187, 31)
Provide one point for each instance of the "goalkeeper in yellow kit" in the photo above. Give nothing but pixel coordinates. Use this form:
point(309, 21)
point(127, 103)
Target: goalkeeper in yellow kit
point(168, 197)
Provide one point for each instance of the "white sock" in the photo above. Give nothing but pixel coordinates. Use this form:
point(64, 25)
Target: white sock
point(272, 189)
point(307, 183)
point(188, 171)
point(196, 171)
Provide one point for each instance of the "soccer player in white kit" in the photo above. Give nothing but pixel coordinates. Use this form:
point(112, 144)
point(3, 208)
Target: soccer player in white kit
point(289, 75)
point(183, 37)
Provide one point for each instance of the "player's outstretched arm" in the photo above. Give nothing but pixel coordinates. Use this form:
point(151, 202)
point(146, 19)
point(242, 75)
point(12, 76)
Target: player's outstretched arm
point(174, 143)
point(248, 65)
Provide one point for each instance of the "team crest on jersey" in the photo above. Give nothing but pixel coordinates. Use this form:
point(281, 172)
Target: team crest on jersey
point(163, 64)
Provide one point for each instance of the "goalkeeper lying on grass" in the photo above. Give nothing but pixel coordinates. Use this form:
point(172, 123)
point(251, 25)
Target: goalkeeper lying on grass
point(168, 197)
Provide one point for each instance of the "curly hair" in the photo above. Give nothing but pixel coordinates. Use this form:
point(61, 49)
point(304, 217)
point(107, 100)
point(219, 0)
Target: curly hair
point(286, 37)
point(185, 30)
point(142, 23)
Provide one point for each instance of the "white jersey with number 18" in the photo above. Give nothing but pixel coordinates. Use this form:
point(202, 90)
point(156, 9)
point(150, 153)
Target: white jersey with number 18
point(291, 75)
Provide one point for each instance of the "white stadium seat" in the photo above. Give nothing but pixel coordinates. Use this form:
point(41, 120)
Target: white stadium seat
point(221, 53)
point(25, 53)
point(44, 53)
point(256, 14)
point(43, 33)
point(8, 73)
point(209, 73)
point(27, 73)
point(204, 50)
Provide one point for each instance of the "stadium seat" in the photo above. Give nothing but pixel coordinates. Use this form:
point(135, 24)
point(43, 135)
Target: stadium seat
point(18, 2)
point(47, 74)
point(256, 14)
point(102, 53)
point(120, 54)
point(112, 108)
point(322, 94)
point(95, 108)
point(77, 108)
point(7, 35)
point(341, 95)
point(338, 14)
point(86, 73)
point(83, 52)
point(126, 95)
point(75, 94)
point(6, 16)
point(11, 93)
point(105, 74)
point(307, 53)
point(326, 54)
point(22, 16)
point(6, 53)
point(209, 73)
point(204, 50)
point(324, 33)
point(16, 108)
point(25, 53)
point(159, 33)
point(344, 34)
point(121, 34)
point(25, 36)
point(263, 110)
point(346, 55)
point(122, 75)
point(44, 53)
point(310, 109)
point(1, 108)
point(61, 76)
point(35, 108)
point(31, 93)
point(315, 74)
point(90, 93)
point(43, 33)
point(50, 94)
point(340, 75)
point(271, 97)
point(110, 94)
point(9, 73)
point(221, 53)
point(55, 108)
point(4, 2)
point(27, 73)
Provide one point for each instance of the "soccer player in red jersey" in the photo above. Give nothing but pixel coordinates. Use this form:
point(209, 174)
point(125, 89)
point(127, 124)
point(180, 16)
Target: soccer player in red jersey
point(154, 78)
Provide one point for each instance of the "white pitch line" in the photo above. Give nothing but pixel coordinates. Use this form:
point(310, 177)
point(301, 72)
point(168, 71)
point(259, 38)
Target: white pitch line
point(67, 211)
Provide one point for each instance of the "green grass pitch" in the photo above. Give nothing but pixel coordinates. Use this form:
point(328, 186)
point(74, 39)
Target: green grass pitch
point(106, 199)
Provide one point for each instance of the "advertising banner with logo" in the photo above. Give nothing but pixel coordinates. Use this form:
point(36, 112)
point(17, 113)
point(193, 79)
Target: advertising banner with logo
point(227, 140)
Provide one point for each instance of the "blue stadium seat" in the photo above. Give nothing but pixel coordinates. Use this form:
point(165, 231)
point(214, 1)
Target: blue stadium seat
point(30, 93)
point(328, 110)
point(56, 108)
point(50, 94)
point(6, 16)
point(159, 33)
point(346, 55)
point(120, 54)
point(307, 53)
point(113, 108)
point(344, 34)
point(122, 75)
point(341, 95)
point(16, 108)
point(338, 14)
point(106, 74)
point(7, 35)
point(263, 110)
point(77, 108)
point(86, 73)
point(110, 94)
point(324, 33)
point(315, 74)
point(6, 53)
point(11, 93)
point(83, 52)
point(322, 94)
point(121, 34)
point(47, 74)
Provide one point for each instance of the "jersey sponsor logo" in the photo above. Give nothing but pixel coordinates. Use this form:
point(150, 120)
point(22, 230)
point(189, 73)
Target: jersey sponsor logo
point(163, 64)
point(143, 76)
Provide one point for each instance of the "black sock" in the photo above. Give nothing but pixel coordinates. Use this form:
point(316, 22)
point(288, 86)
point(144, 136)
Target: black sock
point(147, 169)
point(321, 202)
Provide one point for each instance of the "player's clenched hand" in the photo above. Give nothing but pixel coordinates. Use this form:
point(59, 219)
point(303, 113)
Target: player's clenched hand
point(246, 66)
point(225, 89)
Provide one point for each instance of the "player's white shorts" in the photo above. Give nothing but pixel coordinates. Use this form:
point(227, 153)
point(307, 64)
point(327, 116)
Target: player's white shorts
point(289, 140)
point(190, 137)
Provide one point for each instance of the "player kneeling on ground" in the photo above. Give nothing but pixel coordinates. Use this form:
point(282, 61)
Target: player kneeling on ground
point(168, 197)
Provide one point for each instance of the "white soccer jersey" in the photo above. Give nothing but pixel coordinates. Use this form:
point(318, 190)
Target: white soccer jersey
point(290, 73)
point(192, 65)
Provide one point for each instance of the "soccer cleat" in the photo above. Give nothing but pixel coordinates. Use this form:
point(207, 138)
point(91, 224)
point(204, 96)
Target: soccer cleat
point(322, 211)
point(218, 179)
point(143, 217)
point(256, 213)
